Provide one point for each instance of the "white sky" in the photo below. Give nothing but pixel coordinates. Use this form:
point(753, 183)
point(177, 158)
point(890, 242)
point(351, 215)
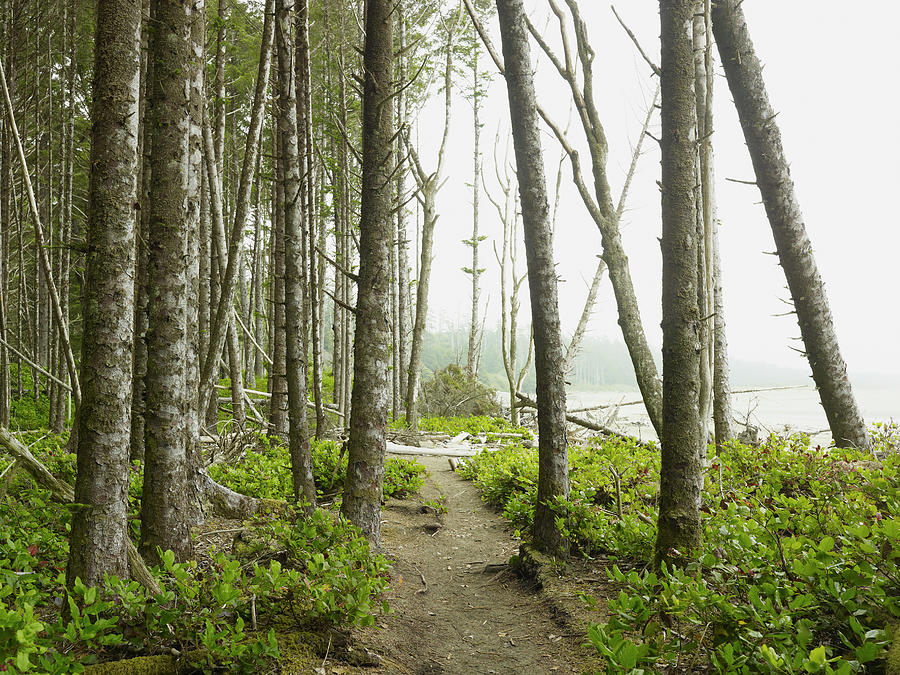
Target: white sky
point(829, 73)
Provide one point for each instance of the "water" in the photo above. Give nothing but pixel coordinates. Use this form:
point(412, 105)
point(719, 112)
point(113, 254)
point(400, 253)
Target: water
point(777, 410)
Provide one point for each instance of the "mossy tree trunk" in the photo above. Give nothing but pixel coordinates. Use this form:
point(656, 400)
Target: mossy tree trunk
point(681, 475)
point(99, 535)
point(301, 460)
point(553, 472)
point(743, 71)
point(369, 406)
point(165, 512)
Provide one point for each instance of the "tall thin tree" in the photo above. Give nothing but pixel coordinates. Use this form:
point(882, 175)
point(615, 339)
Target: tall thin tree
point(369, 408)
point(165, 520)
point(553, 471)
point(681, 475)
point(99, 535)
point(301, 460)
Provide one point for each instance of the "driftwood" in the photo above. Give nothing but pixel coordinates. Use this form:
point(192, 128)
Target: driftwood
point(64, 492)
point(524, 401)
point(446, 451)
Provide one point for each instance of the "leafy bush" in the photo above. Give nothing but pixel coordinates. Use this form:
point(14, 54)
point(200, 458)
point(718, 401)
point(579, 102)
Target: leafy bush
point(266, 473)
point(321, 572)
point(452, 392)
point(402, 477)
point(799, 567)
point(474, 425)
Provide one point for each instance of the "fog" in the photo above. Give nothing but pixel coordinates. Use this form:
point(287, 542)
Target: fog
point(829, 75)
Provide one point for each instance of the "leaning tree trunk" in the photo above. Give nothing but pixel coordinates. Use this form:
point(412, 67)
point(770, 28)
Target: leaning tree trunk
point(301, 459)
point(681, 475)
point(553, 472)
point(743, 71)
point(369, 407)
point(99, 537)
point(164, 510)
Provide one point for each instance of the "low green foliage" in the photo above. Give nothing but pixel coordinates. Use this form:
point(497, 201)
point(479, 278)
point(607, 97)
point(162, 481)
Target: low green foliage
point(266, 472)
point(26, 412)
point(402, 477)
point(799, 567)
point(474, 425)
point(309, 571)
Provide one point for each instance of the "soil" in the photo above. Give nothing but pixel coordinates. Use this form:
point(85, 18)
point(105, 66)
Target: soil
point(456, 605)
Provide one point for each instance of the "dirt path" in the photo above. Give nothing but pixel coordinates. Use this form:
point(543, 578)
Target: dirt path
point(456, 608)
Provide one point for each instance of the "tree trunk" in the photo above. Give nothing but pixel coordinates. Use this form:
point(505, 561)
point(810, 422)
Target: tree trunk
point(225, 313)
point(165, 523)
point(553, 472)
point(743, 71)
point(473, 354)
point(99, 536)
point(278, 404)
point(301, 459)
point(142, 216)
point(423, 284)
point(681, 475)
point(304, 120)
point(429, 185)
point(403, 296)
point(369, 410)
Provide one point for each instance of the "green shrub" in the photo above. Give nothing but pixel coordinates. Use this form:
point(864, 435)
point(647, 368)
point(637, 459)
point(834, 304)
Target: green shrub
point(452, 392)
point(322, 572)
point(402, 477)
point(266, 473)
point(799, 567)
point(474, 425)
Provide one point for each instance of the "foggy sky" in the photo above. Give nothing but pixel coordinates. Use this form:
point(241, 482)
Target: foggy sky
point(829, 73)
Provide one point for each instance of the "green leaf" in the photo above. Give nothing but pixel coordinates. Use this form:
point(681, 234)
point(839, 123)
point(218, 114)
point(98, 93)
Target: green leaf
point(818, 656)
point(826, 544)
point(867, 652)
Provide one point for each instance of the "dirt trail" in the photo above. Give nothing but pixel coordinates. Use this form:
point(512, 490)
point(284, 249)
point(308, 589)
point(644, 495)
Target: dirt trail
point(456, 608)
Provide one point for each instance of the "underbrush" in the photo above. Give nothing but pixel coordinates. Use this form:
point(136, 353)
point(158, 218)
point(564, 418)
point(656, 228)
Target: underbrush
point(475, 425)
point(798, 572)
point(266, 472)
point(222, 615)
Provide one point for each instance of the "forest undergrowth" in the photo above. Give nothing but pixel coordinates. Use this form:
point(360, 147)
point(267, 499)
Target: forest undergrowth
point(798, 572)
point(230, 610)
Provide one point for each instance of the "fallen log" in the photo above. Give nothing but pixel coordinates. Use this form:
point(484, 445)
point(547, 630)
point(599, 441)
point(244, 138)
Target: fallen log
point(448, 451)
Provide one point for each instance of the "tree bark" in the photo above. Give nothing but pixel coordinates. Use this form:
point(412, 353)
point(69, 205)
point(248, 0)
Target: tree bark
point(301, 459)
point(369, 409)
point(278, 404)
point(473, 353)
point(553, 471)
point(224, 312)
point(743, 71)
point(99, 536)
point(304, 119)
point(165, 520)
point(139, 364)
point(681, 475)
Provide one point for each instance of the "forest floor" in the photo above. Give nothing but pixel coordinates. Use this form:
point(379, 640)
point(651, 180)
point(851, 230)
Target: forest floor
point(456, 606)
